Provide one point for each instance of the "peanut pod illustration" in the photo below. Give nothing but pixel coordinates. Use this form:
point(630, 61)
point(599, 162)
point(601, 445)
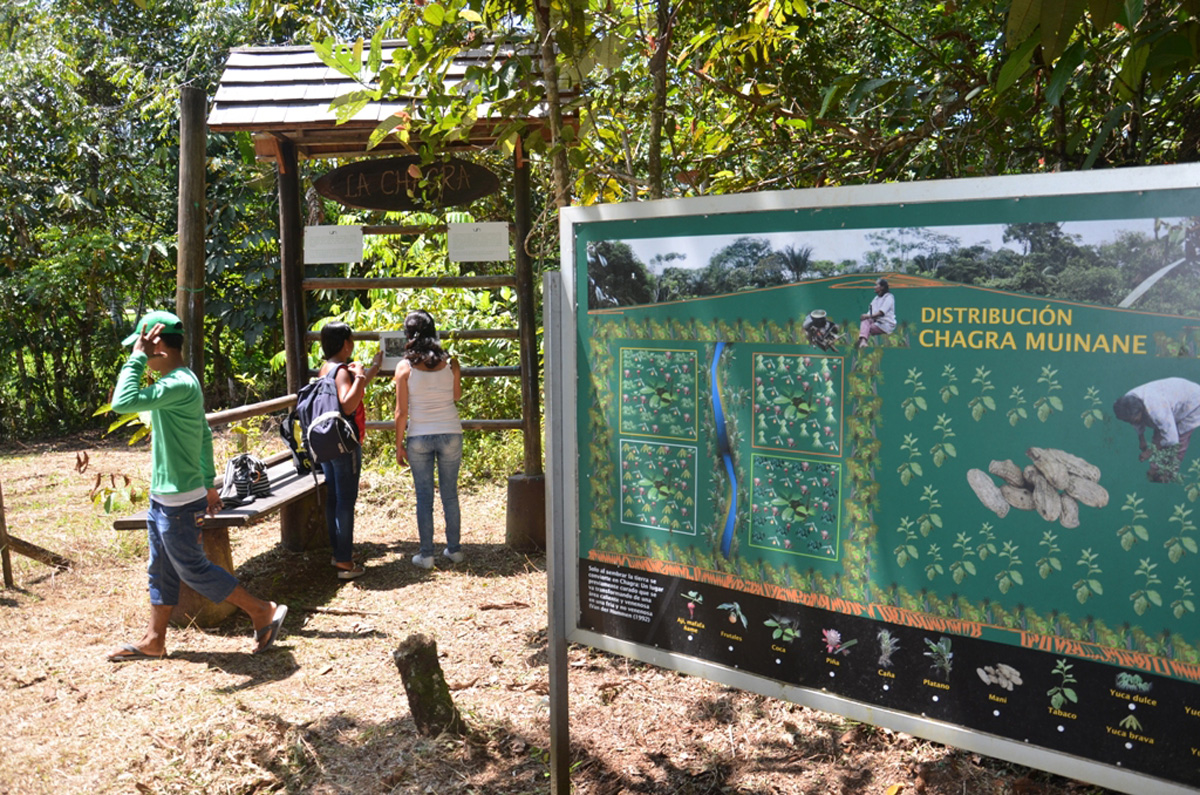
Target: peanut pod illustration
point(987, 492)
point(1054, 485)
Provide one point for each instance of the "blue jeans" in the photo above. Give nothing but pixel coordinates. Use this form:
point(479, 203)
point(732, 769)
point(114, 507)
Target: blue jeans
point(341, 493)
point(446, 450)
point(177, 554)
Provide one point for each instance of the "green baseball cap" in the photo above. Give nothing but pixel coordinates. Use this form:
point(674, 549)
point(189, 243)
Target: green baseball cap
point(170, 322)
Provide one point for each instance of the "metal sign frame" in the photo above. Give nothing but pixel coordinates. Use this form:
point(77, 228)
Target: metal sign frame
point(563, 454)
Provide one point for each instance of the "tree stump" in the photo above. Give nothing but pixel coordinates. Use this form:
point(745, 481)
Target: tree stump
point(428, 696)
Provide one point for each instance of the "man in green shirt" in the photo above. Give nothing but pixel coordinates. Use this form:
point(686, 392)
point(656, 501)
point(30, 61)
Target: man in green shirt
point(182, 488)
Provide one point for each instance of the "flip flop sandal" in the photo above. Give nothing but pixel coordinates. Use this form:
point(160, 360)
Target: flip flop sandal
point(267, 635)
point(129, 652)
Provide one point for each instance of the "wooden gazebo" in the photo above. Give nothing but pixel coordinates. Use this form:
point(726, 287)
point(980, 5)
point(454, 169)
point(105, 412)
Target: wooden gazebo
point(282, 96)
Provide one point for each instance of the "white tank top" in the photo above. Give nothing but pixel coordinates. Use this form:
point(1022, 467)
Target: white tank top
point(431, 408)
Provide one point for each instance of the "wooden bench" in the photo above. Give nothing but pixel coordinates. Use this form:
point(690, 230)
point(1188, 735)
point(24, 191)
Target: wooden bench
point(303, 530)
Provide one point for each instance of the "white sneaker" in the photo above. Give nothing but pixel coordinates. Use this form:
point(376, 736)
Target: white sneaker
point(455, 557)
point(423, 561)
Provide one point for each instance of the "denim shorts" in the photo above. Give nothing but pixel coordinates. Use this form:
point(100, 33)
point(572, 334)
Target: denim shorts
point(177, 555)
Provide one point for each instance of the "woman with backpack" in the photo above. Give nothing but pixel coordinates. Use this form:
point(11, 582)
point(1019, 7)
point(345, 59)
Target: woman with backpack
point(342, 472)
point(428, 384)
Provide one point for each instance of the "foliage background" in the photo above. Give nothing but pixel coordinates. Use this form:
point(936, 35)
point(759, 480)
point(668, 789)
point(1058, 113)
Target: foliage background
point(658, 99)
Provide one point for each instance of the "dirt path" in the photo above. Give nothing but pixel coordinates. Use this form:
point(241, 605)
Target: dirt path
point(326, 712)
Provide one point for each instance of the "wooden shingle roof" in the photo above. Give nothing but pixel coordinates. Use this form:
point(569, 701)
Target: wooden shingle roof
point(285, 92)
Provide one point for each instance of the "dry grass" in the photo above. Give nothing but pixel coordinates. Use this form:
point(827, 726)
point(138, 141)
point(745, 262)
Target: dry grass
point(326, 712)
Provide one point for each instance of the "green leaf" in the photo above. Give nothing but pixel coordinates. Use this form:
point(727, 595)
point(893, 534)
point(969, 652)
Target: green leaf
point(1056, 402)
point(434, 15)
point(1133, 68)
point(950, 450)
point(1023, 17)
point(1131, 13)
point(1095, 586)
point(969, 566)
point(989, 402)
point(1017, 577)
point(375, 57)
point(1044, 412)
point(1059, 79)
point(1189, 544)
point(470, 16)
point(1058, 21)
point(920, 401)
point(1154, 598)
point(1070, 694)
point(1015, 66)
point(1104, 12)
point(916, 468)
point(1141, 532)
point(1056, 701)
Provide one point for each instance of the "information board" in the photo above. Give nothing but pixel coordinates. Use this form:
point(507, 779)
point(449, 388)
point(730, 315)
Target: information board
point(978, 524)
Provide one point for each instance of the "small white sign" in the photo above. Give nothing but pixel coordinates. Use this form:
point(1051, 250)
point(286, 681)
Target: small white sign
point(484, 242)
point(333, 244)
point(392, 344)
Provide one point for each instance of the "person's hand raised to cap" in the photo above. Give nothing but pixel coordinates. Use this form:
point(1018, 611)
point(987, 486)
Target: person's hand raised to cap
point(147, 341)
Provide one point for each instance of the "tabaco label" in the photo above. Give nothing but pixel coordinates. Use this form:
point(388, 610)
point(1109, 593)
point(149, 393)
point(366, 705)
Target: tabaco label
point(1058, 713)
point(405, 183)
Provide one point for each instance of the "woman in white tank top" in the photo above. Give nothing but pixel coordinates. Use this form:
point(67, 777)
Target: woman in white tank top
point(428, 432)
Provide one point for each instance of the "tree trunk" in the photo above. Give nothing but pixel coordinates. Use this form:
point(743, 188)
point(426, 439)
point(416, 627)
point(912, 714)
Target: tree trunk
point(558, 154)
point(428, 696)
point(658, 108)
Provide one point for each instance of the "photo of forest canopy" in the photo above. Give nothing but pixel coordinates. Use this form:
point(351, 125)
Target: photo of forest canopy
point(1153, 265)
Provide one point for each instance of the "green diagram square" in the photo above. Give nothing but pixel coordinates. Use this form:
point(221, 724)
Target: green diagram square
point(658, 393)
point(798, 403)
point(795, 506)
point(658, 486)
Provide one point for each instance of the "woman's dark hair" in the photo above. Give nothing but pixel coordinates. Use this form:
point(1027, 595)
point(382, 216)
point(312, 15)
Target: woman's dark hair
point(422, 347)
point(333, 338)
point(883, 283)
point(1128, 408)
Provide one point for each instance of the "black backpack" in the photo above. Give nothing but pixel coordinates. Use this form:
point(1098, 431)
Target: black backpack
point(316, 430)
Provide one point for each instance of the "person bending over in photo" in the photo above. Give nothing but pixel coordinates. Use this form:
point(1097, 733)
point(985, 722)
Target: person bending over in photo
point(1169, 406)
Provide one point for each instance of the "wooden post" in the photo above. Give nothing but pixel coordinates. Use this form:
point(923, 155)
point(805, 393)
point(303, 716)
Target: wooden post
point(5, 557)
point(291, 266)
point(531, 415)
point(425, 685)
point(301, 523)
point(525, 528)
point(189, 271)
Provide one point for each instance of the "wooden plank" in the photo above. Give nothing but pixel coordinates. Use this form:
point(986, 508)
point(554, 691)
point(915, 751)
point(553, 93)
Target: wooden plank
point(400, 282)
point(29, 550)
point(286, 487)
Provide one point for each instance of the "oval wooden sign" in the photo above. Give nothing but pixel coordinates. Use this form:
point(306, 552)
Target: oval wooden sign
point(404, 183)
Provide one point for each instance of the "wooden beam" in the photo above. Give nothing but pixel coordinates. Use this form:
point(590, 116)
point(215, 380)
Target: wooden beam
point(37, 553)
point(189, 269)
point(526, 316)
point(342, 283)
point(291, 267)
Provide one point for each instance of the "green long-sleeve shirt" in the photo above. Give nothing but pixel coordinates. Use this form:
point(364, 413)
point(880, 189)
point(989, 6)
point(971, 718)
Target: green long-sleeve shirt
point(181, 448)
